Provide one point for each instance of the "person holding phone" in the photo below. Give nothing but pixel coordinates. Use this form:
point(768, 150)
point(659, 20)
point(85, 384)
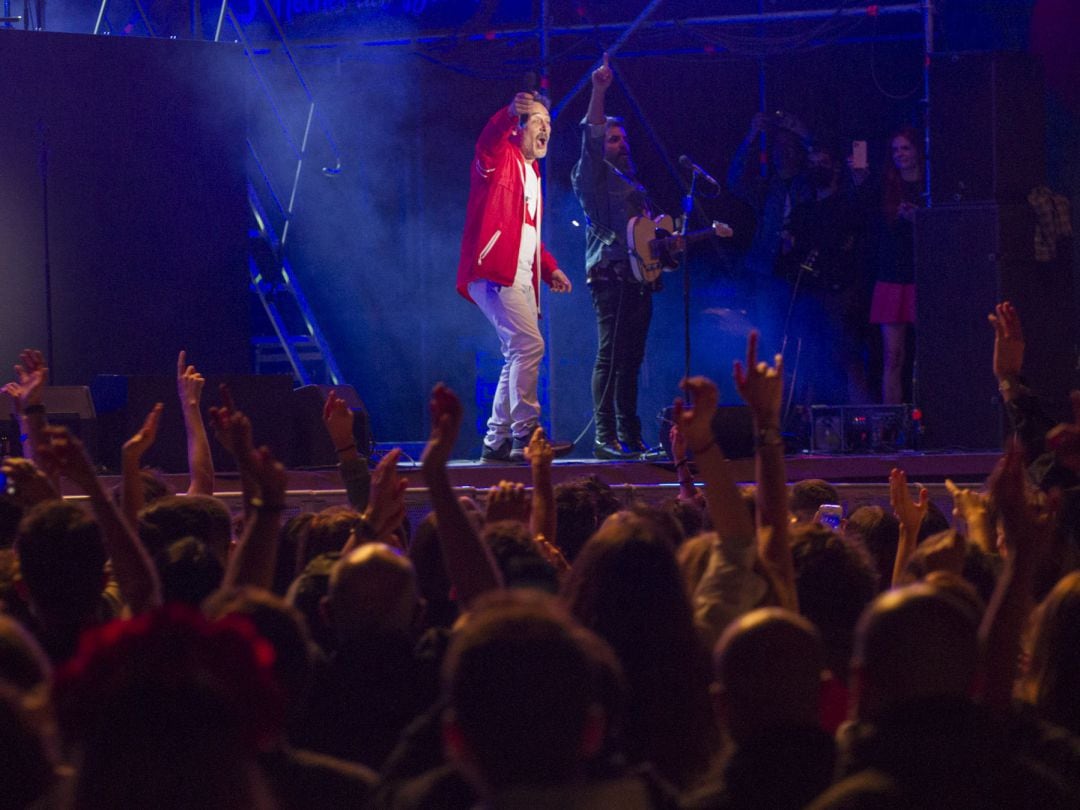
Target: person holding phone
point(893, 303)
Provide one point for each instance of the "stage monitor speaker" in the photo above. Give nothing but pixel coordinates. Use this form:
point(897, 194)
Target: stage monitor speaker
point(733, 429)
point(969, 258)
point(987, 127)
point(311, 444)
point(123, 403)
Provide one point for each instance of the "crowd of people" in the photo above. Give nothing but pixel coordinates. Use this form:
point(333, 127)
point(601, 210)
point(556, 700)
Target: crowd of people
point(546, 647)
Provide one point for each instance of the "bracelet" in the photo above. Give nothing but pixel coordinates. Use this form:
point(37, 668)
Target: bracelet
point(345, 449)
point(30, 410)
point(683, 463)
point(705, 449)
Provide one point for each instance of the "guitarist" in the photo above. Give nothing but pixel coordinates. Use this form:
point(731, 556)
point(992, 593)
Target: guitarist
point(606, 185)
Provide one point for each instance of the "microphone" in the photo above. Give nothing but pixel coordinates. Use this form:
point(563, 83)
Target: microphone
point(687, 163)
point(530, 84)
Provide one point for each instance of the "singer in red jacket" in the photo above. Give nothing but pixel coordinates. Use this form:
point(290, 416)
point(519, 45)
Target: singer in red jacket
point(503, 261)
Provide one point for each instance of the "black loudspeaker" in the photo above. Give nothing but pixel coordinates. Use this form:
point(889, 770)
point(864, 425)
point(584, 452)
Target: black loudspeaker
point(987, 127)
point(311, 444)
point(122, 403)
point(968, 258)
point(733, 429)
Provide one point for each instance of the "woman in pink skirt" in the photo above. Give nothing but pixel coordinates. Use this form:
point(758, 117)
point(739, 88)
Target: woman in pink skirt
point(893, 303)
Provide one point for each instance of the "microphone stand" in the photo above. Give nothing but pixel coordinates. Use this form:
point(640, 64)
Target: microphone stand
point(688, 207)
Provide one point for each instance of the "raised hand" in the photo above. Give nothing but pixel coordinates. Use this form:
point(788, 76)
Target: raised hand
point(523, 103)
point(62, 453)
point(695, 422)
point(144, 438)
point(232, 428)
point(338, 418)
point(538, 452)
point(386, 507)
point(446, 415)
point(269, 474)
point(1008, 341)
point(25, 483)
point(678, 443)
point(189, 382)
point(761, 387)
point(507, 501)
point(31, 377)
point(603, 76)
point(908, 512)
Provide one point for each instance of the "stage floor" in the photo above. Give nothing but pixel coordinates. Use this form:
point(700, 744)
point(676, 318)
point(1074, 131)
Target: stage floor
point(859, 479)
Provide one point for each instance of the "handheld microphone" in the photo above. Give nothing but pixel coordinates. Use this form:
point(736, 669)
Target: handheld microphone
point(530, 84)
point(687, 163)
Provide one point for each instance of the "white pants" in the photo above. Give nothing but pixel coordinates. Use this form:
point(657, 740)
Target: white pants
point(512, 311)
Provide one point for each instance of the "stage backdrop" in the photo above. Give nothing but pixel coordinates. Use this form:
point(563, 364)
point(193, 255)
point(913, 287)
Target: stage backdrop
point(125, 157)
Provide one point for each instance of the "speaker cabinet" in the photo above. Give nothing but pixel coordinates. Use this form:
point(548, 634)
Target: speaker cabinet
point(311, 444)
point(967, 259)
point(987, 127)
point(123, 401)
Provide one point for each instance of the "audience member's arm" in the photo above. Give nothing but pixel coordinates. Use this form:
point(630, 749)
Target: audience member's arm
point(135, 573)
point(1029, 420)
point(27, 485)
point(969, 507)
point(189, 386)
point(910, 516)
point(762, 388)
point(255, 556)
point(386, 505)
point(542, 519)
point(687, 490)
point(131, 497)
point(726, 508)
point(468, 562)
point(352, 464)
point(507, 500)
point(233, 431)
point(27, 392)
point(1006, 616)
point(729, 586)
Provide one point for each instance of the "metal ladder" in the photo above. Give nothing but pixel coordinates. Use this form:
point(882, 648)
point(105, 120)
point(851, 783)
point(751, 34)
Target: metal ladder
point(273, 281)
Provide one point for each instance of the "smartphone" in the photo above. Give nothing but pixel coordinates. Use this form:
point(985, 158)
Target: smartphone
point(829, 515)
point(858, 155)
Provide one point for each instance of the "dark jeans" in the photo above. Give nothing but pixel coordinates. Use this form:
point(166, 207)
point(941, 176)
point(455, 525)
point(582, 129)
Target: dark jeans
point(623, 312)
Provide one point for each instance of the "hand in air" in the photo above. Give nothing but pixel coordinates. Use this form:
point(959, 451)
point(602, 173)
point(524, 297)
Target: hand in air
point(603, 76)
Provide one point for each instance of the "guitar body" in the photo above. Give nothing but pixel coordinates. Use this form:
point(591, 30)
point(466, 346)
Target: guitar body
point(648, 256)
point(653, 248)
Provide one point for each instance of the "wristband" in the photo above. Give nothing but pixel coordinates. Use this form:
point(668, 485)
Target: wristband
point(345, 449)
point(30, 410)
point(683, 463)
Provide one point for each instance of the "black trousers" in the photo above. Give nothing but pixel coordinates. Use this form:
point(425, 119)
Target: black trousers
point(623, 312)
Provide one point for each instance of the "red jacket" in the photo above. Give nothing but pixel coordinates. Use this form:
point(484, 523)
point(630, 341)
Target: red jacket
point(496, 210)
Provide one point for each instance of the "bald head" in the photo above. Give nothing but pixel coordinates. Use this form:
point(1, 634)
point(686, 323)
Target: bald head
point(372, 589)
point(768, 665)
point(914, 643)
